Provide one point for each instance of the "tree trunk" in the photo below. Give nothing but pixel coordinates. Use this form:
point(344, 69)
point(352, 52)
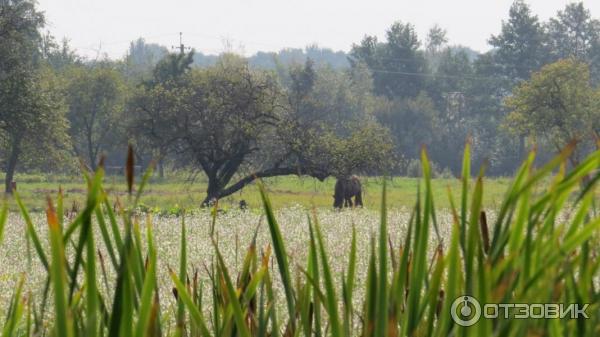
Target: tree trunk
point(91, 154)
point(218, 191)
point(161, 169)
point(11, 165)
point(522, 154)
point(213, 192)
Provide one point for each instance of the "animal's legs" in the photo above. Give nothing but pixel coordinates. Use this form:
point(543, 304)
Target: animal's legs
point(358, 200)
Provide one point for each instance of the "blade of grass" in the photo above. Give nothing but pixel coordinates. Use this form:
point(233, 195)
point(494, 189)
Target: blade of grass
point(330, 293)
point(382, 287)
point(280, 254)
point(147, 295)
point(31, 233)
point(3, 217)
point(58, 274)
point(238, 314)
point(182, 276)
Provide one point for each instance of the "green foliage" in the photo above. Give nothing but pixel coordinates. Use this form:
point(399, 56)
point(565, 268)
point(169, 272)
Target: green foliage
point(31, 110)
point(396, 63)
point(367, 149)
point(415, 170)
point(59, 56)
point(246, 123)
point(557, 105)
point(423, 129)
point(141, 59)
point(574, 33)
point(96, 97)
point(329, 128)
point(171, 68)
point(520, 47)
point(437, 37)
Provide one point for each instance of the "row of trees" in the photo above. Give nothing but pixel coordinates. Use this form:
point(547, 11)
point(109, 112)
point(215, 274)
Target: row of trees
point(231, 121)
point(439, 94)
point(236, 120)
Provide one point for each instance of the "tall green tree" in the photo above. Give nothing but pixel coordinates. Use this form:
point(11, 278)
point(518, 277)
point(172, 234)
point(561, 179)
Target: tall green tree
point(556, 106)
point(412, 122)
point(450, 90)
point(171, 68)
point(212, 117)
point(485, 95)
point(152, 106)
point(329, 127)
point(30, 109)
point(59, 56)
point(437, 40)
point(575, 33)
point(141, 59)
point(397, 64)
point(520, 47)
point(95, 96)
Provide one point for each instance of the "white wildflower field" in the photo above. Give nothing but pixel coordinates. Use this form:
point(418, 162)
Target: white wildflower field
point(234, 231)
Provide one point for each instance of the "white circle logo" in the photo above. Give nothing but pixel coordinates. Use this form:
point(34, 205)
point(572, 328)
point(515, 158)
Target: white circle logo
point(465, 310)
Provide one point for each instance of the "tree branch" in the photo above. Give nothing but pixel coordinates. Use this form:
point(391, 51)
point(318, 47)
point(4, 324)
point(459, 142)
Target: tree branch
point(272, 172)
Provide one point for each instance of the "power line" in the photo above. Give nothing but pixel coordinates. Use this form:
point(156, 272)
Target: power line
point(117, 42)
point(475, 78)
point(182, 48)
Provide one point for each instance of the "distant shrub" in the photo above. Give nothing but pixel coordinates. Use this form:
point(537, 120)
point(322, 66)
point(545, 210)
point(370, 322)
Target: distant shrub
point(415, 170)
point(446, 173)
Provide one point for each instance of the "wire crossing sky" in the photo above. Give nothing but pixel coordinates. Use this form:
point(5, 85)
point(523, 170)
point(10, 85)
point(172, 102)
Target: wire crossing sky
point(247, 26)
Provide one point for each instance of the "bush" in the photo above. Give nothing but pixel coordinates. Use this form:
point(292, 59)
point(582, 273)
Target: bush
point(415, 170)
point(446, 174)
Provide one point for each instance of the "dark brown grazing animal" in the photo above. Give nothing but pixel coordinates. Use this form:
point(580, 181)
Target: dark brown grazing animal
point(347, 188)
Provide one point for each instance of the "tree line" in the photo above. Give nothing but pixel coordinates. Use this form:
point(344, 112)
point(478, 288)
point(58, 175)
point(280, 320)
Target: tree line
point(297, 112)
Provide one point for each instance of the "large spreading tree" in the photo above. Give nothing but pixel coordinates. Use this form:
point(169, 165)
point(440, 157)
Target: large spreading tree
point(237, 124)
point(556, 106)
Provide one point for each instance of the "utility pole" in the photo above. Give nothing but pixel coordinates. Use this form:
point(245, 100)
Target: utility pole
point(182, 48)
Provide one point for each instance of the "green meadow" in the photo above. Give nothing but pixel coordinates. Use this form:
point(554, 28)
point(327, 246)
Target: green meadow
point(178, 191)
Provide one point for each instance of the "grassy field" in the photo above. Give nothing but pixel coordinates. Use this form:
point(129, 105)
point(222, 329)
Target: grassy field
point(289, 272)
point(179, 192)
point(235, 231)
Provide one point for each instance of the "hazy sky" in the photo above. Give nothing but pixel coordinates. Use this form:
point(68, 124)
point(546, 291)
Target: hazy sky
point(252, 25)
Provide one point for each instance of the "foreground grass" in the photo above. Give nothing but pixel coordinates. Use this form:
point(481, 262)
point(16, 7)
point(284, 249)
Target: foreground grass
point(235, 230)
point(538, 247)
point(178, 192)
